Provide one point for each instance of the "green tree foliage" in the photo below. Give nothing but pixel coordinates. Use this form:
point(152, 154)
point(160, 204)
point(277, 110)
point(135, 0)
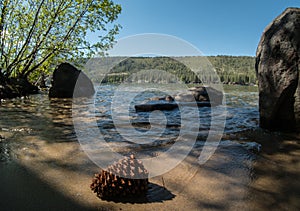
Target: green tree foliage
point(235, 69)
point(230, 69)
point(37, 33)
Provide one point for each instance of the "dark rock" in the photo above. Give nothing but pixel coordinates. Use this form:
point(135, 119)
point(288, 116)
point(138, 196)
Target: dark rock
point(277, 67)
point(156, 106)
point(185, 97)
point(203, 96)
point(166, 98)
point(169, 98)
point(16, 87)
point(65, 78)
point(252, 146)
point(167, 106)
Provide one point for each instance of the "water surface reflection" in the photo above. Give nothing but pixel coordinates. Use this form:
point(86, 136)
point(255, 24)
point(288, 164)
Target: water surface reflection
point(38, 134)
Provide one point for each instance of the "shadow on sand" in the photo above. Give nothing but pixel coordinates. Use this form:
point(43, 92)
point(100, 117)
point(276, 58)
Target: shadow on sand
point(22, 190)
point(156, 193)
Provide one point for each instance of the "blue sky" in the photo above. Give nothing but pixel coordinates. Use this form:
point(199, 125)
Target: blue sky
point(215, 27)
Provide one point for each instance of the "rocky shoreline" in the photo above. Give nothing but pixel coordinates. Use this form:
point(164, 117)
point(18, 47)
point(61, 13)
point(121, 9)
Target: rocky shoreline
point(12, 88)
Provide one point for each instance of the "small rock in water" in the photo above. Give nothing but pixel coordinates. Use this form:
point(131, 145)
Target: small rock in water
point(252, 146)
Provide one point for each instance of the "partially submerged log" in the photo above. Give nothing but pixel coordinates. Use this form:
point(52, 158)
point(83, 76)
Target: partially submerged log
point(157, 106)
point(167, 106)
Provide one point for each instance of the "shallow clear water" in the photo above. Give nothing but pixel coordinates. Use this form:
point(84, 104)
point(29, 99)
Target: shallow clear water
point(241, 106)
point(52, 119)
point(40, 136)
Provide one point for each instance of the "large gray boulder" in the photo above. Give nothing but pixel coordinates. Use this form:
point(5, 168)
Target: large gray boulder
point(277, 67)
point(65, 78)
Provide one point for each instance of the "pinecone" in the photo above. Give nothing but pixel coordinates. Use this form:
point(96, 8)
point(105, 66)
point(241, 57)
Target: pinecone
point(127, 177)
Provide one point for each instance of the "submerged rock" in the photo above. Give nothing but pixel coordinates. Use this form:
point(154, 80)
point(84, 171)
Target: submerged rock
point(68, 82)
point(252, 146)
point(277, 67)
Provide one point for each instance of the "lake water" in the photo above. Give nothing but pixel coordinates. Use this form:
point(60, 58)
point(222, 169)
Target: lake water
point(112, 118)
point(41, 135)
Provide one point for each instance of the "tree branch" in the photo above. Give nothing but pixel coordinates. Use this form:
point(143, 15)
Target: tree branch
point(32, 56)
point(30, 34)
point(66, 37)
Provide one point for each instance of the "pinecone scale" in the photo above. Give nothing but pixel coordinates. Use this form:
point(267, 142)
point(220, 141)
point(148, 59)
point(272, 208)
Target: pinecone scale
point(127, 177)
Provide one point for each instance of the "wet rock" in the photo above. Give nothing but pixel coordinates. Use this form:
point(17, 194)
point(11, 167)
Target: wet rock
point(65, 78)
point(16, 87)
point(207, 94)
point(169, 98)
point(202, 96)
point(156, 106)
point(167, 106)
point(166, 98)
point(277, 67)
point(252, 146)
point(184, 97)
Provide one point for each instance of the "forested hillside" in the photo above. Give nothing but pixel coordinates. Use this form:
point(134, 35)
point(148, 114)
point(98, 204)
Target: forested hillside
point(230, 69)
point(237, 69)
